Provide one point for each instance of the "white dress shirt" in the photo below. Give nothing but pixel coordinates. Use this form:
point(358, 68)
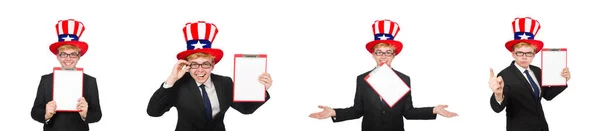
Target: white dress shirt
point(210, 90)
point(522, 70)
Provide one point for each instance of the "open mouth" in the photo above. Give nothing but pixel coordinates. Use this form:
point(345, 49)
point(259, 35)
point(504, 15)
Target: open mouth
point(201, 75)
point(68, 63)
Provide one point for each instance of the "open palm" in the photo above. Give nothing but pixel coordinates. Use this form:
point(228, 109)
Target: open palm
point(326, 113)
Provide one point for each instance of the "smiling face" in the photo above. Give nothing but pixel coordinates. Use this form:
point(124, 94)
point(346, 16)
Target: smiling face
point(68, 56)
point(383, 53)
point(201, 66)
point(523, 53)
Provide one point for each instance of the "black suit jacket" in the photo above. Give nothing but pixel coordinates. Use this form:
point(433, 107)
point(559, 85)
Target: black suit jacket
point(186, 96)
point(66, 121)
point(380, 117)
point(523, 111)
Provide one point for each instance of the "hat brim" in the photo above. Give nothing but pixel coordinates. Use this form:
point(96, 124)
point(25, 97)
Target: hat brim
point(83, 46)
point(397, 44)
point(217, 53)
point(538, 44)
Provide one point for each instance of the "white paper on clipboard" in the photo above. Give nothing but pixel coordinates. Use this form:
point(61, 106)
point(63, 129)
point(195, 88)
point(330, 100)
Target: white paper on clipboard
point(67, 89)
point(387, 84)
point(247, 69)
point(554, 60)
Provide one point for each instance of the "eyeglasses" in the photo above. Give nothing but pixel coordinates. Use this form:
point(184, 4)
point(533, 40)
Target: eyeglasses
point(387, 53)
point(204, 65)
point(528, 54)
point(65, 55)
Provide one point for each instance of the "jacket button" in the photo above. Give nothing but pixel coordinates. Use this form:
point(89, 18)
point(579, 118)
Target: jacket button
point(383, 112)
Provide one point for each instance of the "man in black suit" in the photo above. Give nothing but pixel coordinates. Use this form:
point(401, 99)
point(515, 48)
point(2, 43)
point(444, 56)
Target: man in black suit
point(517, 87)
point(68, 51)
point(201, 97)
point(378, 116)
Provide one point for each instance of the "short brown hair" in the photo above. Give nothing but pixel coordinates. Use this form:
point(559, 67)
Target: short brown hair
point(524, 44)
point(68, 47)
point(379, 45)
point(200, 55)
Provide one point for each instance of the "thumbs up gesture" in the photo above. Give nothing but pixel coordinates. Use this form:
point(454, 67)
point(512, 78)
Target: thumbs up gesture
point(496, 83)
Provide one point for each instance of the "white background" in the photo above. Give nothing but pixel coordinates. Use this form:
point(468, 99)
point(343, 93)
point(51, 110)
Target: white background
point(316, 50)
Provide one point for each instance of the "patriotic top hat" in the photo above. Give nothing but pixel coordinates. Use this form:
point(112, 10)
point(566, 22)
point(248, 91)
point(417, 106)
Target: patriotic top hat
point(525, 30)
point(385, 31)
point(200, 37)
point(69, 31)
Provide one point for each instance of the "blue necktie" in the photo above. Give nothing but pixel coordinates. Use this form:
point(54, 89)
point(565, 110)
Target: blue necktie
point(207, 106)
point(536, 90)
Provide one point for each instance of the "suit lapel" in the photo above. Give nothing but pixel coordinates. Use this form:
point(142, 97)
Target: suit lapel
point(219, 85)
point(522, 79)
point(197, 93)
point(373, 96)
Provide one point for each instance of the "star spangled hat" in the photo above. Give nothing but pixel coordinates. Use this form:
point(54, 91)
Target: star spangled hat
point(69, 31)
point(524, 30)
point(385, 31)
point(199, 38)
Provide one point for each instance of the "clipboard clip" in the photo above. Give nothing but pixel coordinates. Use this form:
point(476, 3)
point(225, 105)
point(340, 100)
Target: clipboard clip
point(250, 55)
point(554, 49)
point(67, 69)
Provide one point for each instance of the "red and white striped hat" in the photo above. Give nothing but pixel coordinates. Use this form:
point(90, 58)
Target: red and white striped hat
point(199, 37)
point(385, 31)
point(69, 31)
point(525, 29)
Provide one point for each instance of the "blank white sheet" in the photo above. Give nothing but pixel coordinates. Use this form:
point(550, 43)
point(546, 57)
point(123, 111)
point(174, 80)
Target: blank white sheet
point(387, 84)
point(246, 73)
point(67, 89)
point(553, 62)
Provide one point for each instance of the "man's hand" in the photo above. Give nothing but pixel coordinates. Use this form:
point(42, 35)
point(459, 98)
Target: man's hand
point(50, 110)
point(497, 85)
point(326, 113)
point(566, 73)
point(440, 110)
point(266, 80)
point(180, 68)
point(82, 106)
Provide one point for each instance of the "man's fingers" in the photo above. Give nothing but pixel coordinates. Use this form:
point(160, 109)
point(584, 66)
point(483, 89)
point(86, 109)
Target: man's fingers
point(263, 82)
point(492, 74)
point(182, 62)
point(316, 115)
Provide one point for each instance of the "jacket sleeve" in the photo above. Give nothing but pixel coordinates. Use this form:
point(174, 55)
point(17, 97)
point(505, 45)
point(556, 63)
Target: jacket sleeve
point(38, 111)
point(550, 92)
point(412, 113)
point(164, 98)
point(245, 107)
point(94, 112)
point(356, 110)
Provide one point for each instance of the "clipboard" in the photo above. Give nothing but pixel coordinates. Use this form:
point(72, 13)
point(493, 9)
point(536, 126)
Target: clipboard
point(552, 68)
point(393, 91)
point(67, 88)
point(246, 87)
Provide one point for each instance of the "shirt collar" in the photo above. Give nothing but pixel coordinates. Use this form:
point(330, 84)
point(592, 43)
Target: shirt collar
point(520, 68)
